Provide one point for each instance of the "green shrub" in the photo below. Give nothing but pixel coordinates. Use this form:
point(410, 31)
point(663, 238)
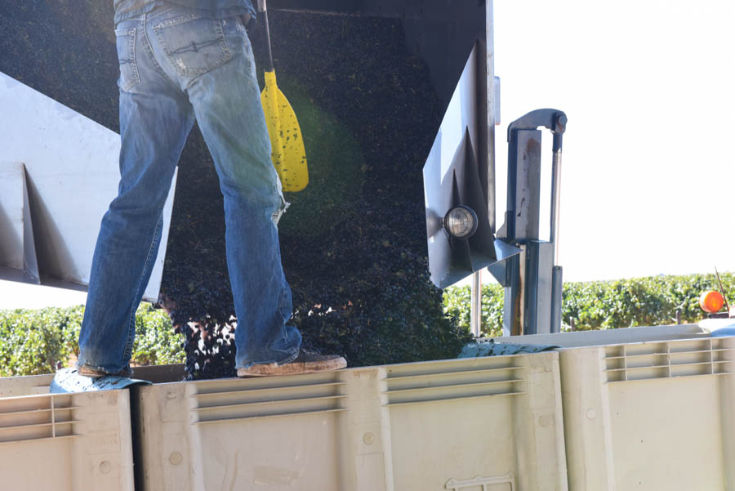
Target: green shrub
point(156, 342)
point(33, 342)
point(602, 304)
point(37, 341)
point(457, 306)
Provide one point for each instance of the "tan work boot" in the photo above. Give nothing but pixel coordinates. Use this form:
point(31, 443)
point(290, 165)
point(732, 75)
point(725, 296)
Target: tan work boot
point(306, 362)
point(94, 373)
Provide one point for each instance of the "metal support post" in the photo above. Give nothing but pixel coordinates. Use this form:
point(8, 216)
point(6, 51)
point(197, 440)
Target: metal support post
point(534, 279)
point(476, 304)
point(557, 282)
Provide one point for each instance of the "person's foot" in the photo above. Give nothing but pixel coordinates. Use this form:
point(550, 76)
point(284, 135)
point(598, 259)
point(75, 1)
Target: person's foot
point(94, 373)
point(306, 362)
point(68, 380)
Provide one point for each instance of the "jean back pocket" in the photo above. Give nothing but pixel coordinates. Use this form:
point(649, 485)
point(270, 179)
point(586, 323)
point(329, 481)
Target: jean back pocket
point(194, 45)
point(125, 43)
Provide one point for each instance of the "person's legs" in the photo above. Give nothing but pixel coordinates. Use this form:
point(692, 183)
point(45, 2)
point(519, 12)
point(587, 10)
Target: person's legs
point(155, 119)
point(212, 64)
point(219, 77)
point(214, 61)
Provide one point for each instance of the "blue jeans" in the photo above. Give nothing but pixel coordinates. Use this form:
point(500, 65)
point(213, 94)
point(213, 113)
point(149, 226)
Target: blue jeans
point(178, 66)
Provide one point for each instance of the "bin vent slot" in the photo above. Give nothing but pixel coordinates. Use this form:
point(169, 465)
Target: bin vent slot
point(506, 482)
point(36, 417)
point(685, 358)
point(418, 383)
point(257, 398)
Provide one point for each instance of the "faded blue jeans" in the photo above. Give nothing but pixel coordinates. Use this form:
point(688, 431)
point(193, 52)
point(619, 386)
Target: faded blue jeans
point(177, 66)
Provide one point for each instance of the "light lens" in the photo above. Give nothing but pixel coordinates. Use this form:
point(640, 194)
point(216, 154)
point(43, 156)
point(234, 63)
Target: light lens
point(461, 222)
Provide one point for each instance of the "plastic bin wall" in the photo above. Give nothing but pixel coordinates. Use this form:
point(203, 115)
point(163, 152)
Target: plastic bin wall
point(74, 442)
point(653, 413)
point(456, 424)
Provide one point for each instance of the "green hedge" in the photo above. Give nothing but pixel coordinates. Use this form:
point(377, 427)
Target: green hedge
point(37, 341)
point(602, 304)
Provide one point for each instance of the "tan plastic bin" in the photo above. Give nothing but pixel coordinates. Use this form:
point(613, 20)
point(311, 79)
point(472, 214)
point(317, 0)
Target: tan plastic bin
point(490, 423)
point(74, 442)
point(654, 413)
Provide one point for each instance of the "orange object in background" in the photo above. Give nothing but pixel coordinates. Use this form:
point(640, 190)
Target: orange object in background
point(711, 301)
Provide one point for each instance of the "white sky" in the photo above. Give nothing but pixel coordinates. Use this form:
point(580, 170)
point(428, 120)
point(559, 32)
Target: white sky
point(14, 295)
point(649, 88)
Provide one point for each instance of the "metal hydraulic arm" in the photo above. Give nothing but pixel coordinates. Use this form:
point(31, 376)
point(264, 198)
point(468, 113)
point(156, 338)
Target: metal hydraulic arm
point(532, 279)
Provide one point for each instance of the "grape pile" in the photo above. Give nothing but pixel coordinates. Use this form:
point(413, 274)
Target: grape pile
point(210, 349)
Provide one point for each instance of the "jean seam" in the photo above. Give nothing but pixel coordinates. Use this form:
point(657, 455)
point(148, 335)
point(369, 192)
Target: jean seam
point(149, 49)
point(135, 60)
point(127, 353)
point(134, 78)
point(177, 21)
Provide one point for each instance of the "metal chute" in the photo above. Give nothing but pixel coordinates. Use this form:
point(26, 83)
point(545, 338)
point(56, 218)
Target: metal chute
point(453, 177)
point(59, 172)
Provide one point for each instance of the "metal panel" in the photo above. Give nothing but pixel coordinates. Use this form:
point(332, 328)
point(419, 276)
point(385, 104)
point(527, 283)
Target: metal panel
point(17, 248)
point(515, 292)
point(72, 175)
point(528, 290)
point(557, 288)
point(539, 268)
point(524, 175)
point(456, 173)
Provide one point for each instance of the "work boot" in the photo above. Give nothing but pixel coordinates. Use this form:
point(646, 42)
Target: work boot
point(306, 362)
point(94, 373)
